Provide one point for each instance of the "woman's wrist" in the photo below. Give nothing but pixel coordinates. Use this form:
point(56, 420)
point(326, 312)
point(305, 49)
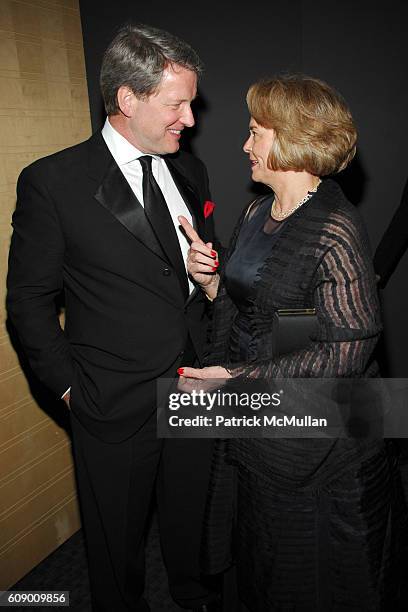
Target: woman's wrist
point(211, 289)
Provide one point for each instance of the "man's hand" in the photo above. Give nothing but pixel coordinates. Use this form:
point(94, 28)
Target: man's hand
point(202, 260)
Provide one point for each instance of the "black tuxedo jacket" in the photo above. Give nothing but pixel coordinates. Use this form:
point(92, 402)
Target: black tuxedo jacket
point(79, 228)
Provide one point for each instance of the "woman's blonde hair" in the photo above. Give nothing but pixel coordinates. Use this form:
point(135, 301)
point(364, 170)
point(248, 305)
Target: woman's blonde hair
point(314, 129)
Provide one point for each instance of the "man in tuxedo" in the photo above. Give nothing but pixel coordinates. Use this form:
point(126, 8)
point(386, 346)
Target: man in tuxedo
point(98, 221)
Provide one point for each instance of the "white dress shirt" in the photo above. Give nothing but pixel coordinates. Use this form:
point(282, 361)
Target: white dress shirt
point(125, 155)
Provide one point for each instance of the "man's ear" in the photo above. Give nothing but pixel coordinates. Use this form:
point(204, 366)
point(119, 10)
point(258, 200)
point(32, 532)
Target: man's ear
point(126, 100)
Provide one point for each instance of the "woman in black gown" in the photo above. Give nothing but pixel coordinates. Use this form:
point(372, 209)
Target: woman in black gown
point(320, 522)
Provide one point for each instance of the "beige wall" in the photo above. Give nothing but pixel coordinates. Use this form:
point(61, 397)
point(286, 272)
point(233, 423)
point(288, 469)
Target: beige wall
point(43, 108)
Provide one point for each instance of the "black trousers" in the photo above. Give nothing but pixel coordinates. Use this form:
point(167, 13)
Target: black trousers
point(116, 483)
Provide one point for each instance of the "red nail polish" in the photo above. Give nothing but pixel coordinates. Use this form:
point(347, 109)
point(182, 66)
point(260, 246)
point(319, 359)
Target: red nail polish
point(213, 253)
point(214, 268)
point(180, 371)
point(216, 264)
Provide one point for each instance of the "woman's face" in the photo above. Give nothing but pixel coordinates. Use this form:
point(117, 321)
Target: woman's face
point(258, 147)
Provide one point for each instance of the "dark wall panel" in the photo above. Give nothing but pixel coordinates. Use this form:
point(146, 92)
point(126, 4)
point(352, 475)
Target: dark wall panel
point(361, 48)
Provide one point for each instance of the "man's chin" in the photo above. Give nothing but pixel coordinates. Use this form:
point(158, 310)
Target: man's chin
point(168, 149)
point(174, 148)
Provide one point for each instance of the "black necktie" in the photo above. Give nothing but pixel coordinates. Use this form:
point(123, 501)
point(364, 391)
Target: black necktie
point(160, 219)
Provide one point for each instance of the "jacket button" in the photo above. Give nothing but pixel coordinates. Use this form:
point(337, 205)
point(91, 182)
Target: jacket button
point(166, 271)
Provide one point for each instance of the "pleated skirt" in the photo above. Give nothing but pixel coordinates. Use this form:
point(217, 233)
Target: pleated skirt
point(338, 547)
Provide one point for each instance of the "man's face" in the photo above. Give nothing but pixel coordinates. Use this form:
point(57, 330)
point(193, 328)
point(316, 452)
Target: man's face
point(157, 121)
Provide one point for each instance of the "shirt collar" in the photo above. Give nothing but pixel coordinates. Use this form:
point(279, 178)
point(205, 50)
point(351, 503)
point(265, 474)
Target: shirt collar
point(121, 149)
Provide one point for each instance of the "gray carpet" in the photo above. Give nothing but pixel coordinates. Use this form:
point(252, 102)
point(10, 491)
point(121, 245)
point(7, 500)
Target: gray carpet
point(66, 570)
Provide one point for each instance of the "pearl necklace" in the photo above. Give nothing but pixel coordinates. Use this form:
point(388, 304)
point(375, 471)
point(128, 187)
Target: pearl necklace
point(279, 216)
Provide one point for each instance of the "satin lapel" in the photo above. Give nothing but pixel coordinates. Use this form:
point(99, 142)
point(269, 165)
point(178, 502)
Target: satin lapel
point(116, 195)
point(189, 195)
point(192, 201)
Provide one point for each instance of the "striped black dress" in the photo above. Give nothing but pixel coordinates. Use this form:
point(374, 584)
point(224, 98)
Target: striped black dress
point(320, 524)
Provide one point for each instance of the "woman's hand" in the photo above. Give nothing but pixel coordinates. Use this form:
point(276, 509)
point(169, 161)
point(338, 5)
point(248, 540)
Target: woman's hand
point(205, 379)
point(202, 260)
point(204, 373)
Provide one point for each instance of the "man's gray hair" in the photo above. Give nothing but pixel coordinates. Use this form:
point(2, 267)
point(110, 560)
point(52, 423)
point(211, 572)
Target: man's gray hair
point(137, 57)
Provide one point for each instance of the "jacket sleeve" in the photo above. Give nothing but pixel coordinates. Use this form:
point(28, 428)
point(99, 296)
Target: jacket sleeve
point(35, 279)
point(347, 309)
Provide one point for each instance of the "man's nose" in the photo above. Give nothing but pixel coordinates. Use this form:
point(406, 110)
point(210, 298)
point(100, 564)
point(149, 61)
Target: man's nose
point(188, 117)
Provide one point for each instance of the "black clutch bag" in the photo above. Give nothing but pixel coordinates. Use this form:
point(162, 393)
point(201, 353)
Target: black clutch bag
point(292, 329)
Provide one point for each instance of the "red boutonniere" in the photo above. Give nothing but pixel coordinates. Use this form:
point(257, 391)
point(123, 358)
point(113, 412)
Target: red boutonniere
point(208, 208)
